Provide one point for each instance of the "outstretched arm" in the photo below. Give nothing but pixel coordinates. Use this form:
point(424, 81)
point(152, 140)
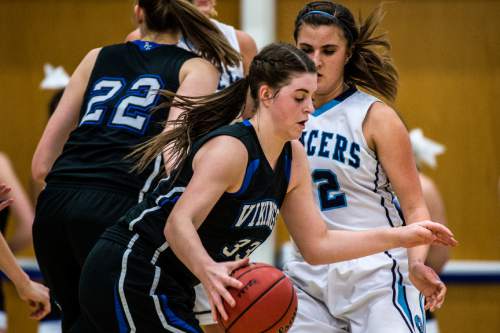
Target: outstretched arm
point(319, 245)
point(21, 206)
point(35, 294)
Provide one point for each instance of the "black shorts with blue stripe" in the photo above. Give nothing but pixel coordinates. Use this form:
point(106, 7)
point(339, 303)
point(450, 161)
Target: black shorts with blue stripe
point(144, 298)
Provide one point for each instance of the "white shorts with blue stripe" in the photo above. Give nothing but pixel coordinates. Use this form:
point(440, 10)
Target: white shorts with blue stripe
point(371, 294)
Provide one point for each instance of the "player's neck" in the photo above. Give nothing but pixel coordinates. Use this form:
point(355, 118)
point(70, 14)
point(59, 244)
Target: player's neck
point(271, 144)
point(161, 38)
point(320, 99)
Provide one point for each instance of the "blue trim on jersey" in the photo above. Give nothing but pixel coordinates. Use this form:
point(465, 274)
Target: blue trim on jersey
point(382, 200)
point(251, 169)
point(120, 316)
point(402, 299)
point(421, 322)
point(334, 102)
point(165, 201)
point(394, 292)
point(146, 46)
point(247, 123)
point(173, 319)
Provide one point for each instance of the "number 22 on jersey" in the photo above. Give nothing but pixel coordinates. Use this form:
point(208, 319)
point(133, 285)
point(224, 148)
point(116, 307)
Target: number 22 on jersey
point(131, 111)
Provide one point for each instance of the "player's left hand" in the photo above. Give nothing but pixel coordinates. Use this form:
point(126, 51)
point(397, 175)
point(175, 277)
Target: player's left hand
point(430, 285)
point(37, 297)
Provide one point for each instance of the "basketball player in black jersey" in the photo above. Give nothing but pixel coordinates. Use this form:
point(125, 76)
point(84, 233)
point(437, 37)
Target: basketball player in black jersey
point(105, 111)
point(219, 204)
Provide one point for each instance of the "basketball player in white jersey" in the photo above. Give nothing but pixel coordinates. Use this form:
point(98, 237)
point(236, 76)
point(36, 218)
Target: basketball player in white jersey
point(355, 144)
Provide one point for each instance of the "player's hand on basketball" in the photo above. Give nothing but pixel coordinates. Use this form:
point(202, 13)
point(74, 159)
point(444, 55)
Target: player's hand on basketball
point(217, 279)
point(430, 285)
point(4, 200)
point(37, 297)
point(424, 233)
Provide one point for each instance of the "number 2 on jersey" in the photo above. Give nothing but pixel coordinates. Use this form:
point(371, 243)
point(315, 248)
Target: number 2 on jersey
point(328, 184)
point(131, 111)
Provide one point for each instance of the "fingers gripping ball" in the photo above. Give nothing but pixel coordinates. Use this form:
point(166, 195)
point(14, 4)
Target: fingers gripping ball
point(266, 303)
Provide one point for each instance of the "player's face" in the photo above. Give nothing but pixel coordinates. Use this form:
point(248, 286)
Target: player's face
point(205, 6)
point(327, 47)
point(293, 104)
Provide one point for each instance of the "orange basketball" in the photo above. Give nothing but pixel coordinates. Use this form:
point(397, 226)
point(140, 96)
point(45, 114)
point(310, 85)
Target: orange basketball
point(266, 303)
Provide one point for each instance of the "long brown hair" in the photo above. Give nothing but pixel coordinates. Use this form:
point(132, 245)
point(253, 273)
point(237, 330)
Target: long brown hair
point(181, 16)
point(370, 65)
point(273, 66)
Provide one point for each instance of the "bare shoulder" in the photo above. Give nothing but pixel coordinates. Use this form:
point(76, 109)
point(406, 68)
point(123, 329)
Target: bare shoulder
point(379, 113)
point(198, 66)
point(246, 42)
point(382, 123)
point(248, 48)
point(198, 63)
point(222, 159)
point(91, 56)
point(223, 151)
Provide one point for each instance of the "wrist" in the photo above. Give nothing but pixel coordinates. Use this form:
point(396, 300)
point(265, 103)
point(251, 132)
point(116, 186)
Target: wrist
point(21, 281)
point(396, 239)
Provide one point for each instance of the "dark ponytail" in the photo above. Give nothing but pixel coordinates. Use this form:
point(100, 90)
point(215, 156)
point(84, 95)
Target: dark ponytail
point(370, 65)
point(200, 115)
point(181, 16)
point(273, 66)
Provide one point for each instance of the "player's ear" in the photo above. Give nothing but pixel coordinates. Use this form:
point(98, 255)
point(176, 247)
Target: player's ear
point(139, 14)
point(266, 94)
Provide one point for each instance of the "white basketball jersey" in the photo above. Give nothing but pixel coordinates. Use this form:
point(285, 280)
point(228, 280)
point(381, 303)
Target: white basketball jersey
point(230, 74)
point(350, 185)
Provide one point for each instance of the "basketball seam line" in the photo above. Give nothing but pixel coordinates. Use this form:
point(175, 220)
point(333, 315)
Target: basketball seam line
point(255, 301)
point(294, 295)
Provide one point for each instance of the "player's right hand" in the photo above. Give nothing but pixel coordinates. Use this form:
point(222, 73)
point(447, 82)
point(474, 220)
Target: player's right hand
point(216, 279)
point(425, 233)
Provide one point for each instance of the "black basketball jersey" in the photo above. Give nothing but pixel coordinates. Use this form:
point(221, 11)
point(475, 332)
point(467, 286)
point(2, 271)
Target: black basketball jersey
point(116, 114)
point(238, 223)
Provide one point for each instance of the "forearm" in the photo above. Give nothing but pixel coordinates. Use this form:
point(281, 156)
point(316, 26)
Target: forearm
point(417, 254)
point(9, 265)
point(186, 244)
point(337, 245)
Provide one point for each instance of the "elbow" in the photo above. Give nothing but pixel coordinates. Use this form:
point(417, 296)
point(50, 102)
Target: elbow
point(170, 230)
point(312, 256)
point(39, 171)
